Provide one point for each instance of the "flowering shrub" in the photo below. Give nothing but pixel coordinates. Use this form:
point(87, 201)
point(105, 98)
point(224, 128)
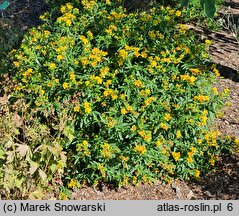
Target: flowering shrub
point(137, 87)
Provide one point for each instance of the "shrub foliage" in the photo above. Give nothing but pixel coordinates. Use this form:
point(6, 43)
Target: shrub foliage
point(138, 90)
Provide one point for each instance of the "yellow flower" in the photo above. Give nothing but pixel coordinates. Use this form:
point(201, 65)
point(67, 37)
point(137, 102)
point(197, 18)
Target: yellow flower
point(133, 128)
point(52, 66)
point(85, 143)
point(114, 96)
point(196, 173)
point(215, 91)
point(106, 151)
point(72, 183)
point(189, 160)
point(160, 141)
point(123, 54)
point(204, 120)
point(84, 40)
point(84, 61)
point(142, 133)
point(194, 70)
point(167, 117)
point(98, 79)
point(144, 54)
point(140, 149)
point(138, 83)
point(77, 108)
point(87, 107)
point(28, 72)
point(68, 22)
point(59, 57)
point(42, 17)
point(226, 91)
point(178, 13)
point(183, 28)
point(72, 76)
point(204, 112)
point(104, 71)
point(17, 64)
point(87, 82)
point(189, 79)
point(178, 134)
point(193, 150)
point(208, 42)
point(212, 161)
point(69, 6)
point(147, 137)
point(216, 72)
point(88, 4)
point(164, 126)
point(109, 31)
point(236, 141)
point(113, 27)
point(111, 122)
point(65, 85)
point(176, 155)
point(108, 92)
point(201, 98)
point(152, 35)
point(42, 92)
point(90, 35)
point(83, 148)
point(123, 111)
point(149, 100)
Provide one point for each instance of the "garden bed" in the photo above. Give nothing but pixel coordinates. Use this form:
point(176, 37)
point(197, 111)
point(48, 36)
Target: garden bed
point(221, 184)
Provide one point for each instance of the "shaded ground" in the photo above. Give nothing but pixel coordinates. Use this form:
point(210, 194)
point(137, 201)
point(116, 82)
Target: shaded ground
point(25, 13)
point(223, 182)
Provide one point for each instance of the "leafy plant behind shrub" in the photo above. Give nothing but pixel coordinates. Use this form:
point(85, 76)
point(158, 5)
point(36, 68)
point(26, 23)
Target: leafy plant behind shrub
point(30, 158)
point(137, 87)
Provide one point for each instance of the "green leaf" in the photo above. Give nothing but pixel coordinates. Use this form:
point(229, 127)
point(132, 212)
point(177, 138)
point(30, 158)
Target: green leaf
point(184, 2)
point(69, 133)
point(33, 167)
point(42, 175)
point(22, 150)
point(209, 7)
point(53, 168)
point(4, 5)
point(19, 182)
point(65, 191)
point(2, 154)
point(36, 195)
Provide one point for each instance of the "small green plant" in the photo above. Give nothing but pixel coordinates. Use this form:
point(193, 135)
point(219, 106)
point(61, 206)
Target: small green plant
point(230, 23)
point(3, 7)
point(193, 14)
point(137, 88)
point(208, 6)
point(30, 158)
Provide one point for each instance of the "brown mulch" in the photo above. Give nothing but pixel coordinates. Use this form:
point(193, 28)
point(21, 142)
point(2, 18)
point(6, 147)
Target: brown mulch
point(220, 184)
